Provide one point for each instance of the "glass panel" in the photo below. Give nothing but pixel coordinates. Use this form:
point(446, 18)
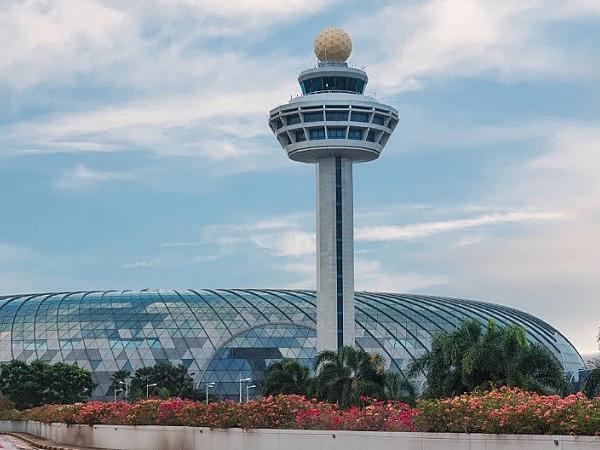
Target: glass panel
point(352, 82)
point(378, 119)
point(313, 116)
point(355, 133)
point(317, 133)
point(359, 117)
point(317, 84)
point(336, 133)
point(292, 120)
point(371, 136)
point(337, 115)
point(300, 136)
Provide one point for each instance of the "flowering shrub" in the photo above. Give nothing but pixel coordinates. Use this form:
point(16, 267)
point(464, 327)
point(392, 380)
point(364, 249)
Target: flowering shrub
point(504, 410)
point(376, 416)
point(276, 412)
point(510, 410)
point(99, 412)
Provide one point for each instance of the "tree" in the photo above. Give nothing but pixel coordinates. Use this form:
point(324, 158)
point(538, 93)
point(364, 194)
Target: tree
point(118, 380)
point(591, 386)
point(343, 376)
point(287, 376)
point(174, 379)
point(38, 383)
point(398, 387)
point(474, 356)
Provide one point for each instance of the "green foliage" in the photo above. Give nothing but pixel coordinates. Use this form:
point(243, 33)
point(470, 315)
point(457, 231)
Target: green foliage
point(400, 388)
point(287, 376)
point(591, 386)
point(344, 376)
point(116, 382)
point(6, 404)
point(174, 379)
point(38, 383)
point(474, 356)
point(163, 393)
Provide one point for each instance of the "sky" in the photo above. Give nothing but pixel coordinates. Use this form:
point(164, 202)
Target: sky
point(135, 151)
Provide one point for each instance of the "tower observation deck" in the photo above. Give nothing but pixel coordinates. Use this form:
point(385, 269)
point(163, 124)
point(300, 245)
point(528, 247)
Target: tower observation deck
point(334, 125)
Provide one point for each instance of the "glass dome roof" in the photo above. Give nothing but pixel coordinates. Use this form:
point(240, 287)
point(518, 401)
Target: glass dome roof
point(224, 335)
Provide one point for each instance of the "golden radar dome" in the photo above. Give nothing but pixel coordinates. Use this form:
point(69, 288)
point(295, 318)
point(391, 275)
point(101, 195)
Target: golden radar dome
point(333, 45)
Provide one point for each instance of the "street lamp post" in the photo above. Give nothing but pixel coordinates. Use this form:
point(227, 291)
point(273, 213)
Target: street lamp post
point(243, 380)
point(126, 384)
point(148, 386)
point(206, 388)
point(117, 390)
point(252, 386)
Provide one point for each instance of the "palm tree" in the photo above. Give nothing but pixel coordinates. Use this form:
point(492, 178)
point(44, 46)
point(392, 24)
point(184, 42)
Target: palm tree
point(287, 376)
point(398, 387)
point(118, 379)
point(343, 376)
point(591, 386)
point(443, 365)
point(474, 357)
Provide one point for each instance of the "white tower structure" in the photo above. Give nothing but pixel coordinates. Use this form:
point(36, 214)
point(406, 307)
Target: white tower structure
point(334, 125)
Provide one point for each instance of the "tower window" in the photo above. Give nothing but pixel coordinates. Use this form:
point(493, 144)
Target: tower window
point(337, 115)
point(336, 133)
point(292, 120)
point(359, 117)
point(300, 136)
point(378, 119)
point(371, 136)
point(317, 133)
point(317, 84)
point(356, 134)
point(313, 116)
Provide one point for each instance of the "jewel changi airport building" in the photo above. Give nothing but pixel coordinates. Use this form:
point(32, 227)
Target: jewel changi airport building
point(222, 336)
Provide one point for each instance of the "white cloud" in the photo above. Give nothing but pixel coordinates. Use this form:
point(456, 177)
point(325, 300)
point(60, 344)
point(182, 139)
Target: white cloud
point(456, 38)
point(283, 236)
point(551, 267)
point(142, 263)
point(80, 177)
point(43, 39)
point(423, 230)
point(11, 254)
point(372, 275)
point(234, 17)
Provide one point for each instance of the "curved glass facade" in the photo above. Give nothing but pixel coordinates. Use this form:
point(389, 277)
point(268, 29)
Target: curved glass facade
point(225, 335)
point(332, 84)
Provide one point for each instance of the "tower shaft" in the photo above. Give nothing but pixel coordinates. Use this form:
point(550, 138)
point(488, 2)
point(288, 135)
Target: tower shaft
point(335, 253)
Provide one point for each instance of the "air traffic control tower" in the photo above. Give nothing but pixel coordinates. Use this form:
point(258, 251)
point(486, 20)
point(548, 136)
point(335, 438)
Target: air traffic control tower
point(334, 125)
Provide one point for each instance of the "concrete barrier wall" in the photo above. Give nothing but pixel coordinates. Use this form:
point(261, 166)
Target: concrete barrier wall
point(124, 437)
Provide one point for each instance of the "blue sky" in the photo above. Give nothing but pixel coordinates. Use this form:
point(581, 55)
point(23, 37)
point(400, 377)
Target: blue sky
point(135, 151)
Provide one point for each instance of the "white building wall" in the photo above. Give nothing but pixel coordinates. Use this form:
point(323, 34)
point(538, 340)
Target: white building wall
point(327, 320)
point(149, 437)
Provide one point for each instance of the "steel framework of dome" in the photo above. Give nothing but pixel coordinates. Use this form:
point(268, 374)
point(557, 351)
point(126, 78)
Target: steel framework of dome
point(224, 335)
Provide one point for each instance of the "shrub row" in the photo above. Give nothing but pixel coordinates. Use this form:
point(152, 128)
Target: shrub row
point(503, 410)
point(284, 411)
point(510, 411)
